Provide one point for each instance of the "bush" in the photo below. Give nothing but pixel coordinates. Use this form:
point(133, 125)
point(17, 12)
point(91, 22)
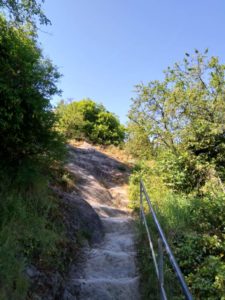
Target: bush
point(181, 173)
point(138, 143)
point(88, 120)
point(182, 118)
point(27, 234)
point(21, 11)
point(195, 229)
point(27, 82)
point(201, 252)
point(29, 143)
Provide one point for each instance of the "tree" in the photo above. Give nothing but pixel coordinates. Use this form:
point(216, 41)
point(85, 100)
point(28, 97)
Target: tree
point(183, 117)
point(86, 119)
point(107, 129)
point(27, 83)
point(70, 120)
point(23, 11)
point(185, 113)
point(138, 143)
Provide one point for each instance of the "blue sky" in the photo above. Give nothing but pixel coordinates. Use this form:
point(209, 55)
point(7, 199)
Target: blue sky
point(104, 47)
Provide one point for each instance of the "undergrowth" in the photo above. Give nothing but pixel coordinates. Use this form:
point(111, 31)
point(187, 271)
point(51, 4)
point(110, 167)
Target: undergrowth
point(195, 228)
point(31, 229)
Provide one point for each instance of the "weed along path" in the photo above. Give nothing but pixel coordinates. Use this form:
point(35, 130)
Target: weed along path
point(109, 270)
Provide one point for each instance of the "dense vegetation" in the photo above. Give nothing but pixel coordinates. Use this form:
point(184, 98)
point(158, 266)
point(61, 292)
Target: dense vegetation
point(33, 149)
point(27, 84)
point(177, 134)
point(24, 12)
point(89, 121)
point(30, 146)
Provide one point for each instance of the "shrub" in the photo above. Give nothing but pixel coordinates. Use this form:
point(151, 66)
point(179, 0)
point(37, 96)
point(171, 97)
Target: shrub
point(88, 120)
point(195, 229)
point(27, 82)
point(29, 143)
point(201, 252)
point(27, 234)
point(183, 118)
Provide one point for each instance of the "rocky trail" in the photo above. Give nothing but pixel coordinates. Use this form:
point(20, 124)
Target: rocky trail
point(108, 270)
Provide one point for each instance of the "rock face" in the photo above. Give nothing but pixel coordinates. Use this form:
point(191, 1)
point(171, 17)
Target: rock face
point(109, 270)
point(106, 269)
point(77, 215)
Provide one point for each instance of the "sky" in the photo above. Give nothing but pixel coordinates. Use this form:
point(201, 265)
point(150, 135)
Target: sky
point(104, 48)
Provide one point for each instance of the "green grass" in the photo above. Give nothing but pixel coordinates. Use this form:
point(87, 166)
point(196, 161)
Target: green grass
point(194, 227)
point(148, 279)
point(149, 282)
point(31, 230)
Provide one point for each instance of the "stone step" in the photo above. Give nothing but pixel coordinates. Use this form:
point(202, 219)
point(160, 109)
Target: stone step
point(119, 242)
point(110, 264)
point(107, 289)
point(109, 211)
point(120, 225)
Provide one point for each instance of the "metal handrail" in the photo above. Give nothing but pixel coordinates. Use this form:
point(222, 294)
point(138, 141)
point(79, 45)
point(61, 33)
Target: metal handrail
point(162, 240)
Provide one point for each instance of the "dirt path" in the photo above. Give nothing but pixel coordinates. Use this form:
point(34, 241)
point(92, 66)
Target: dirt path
point(109, 271)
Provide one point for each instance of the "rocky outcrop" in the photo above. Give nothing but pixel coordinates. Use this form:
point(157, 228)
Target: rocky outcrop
point(109, 270)
point(78, 217)
point(97, 207)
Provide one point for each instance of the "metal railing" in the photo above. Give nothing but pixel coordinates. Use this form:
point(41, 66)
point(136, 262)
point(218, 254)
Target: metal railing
point(159, 263)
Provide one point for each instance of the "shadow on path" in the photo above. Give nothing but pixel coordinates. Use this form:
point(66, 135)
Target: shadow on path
point(107, 170)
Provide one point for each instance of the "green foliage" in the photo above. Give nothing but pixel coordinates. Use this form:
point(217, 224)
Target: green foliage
point(149, 285)
point(31, 229)
point(27, 82)
point(195, 229)
point(148, 282)
point(107, 129)
point(138, 143)
point(70, 120)
point(88, 120)
point(183, 172)
point(23, 11)
point(183, 117)
point(185, 113)
point(201, 253)
point(24, 228)
point(29, 145)
point(172, 208)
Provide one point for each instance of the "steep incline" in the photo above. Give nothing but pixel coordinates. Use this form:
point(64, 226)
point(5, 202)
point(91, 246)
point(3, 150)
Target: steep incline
point(109, 270)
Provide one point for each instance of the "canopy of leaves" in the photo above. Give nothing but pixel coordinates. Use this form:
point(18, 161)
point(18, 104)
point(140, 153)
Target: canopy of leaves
point(185, 113)
point(183, 118)
point(138, 143)
point(23, 11)
point(27, 82)
point(88, 120)
point(29, 143)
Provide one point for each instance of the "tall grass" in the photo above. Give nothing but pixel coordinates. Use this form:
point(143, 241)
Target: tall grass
point(194, 227)
point(27, 233)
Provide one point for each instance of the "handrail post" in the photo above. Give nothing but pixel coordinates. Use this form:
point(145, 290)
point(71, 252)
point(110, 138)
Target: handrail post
point(141, 203)
point(161, 273)
point(163, 241)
